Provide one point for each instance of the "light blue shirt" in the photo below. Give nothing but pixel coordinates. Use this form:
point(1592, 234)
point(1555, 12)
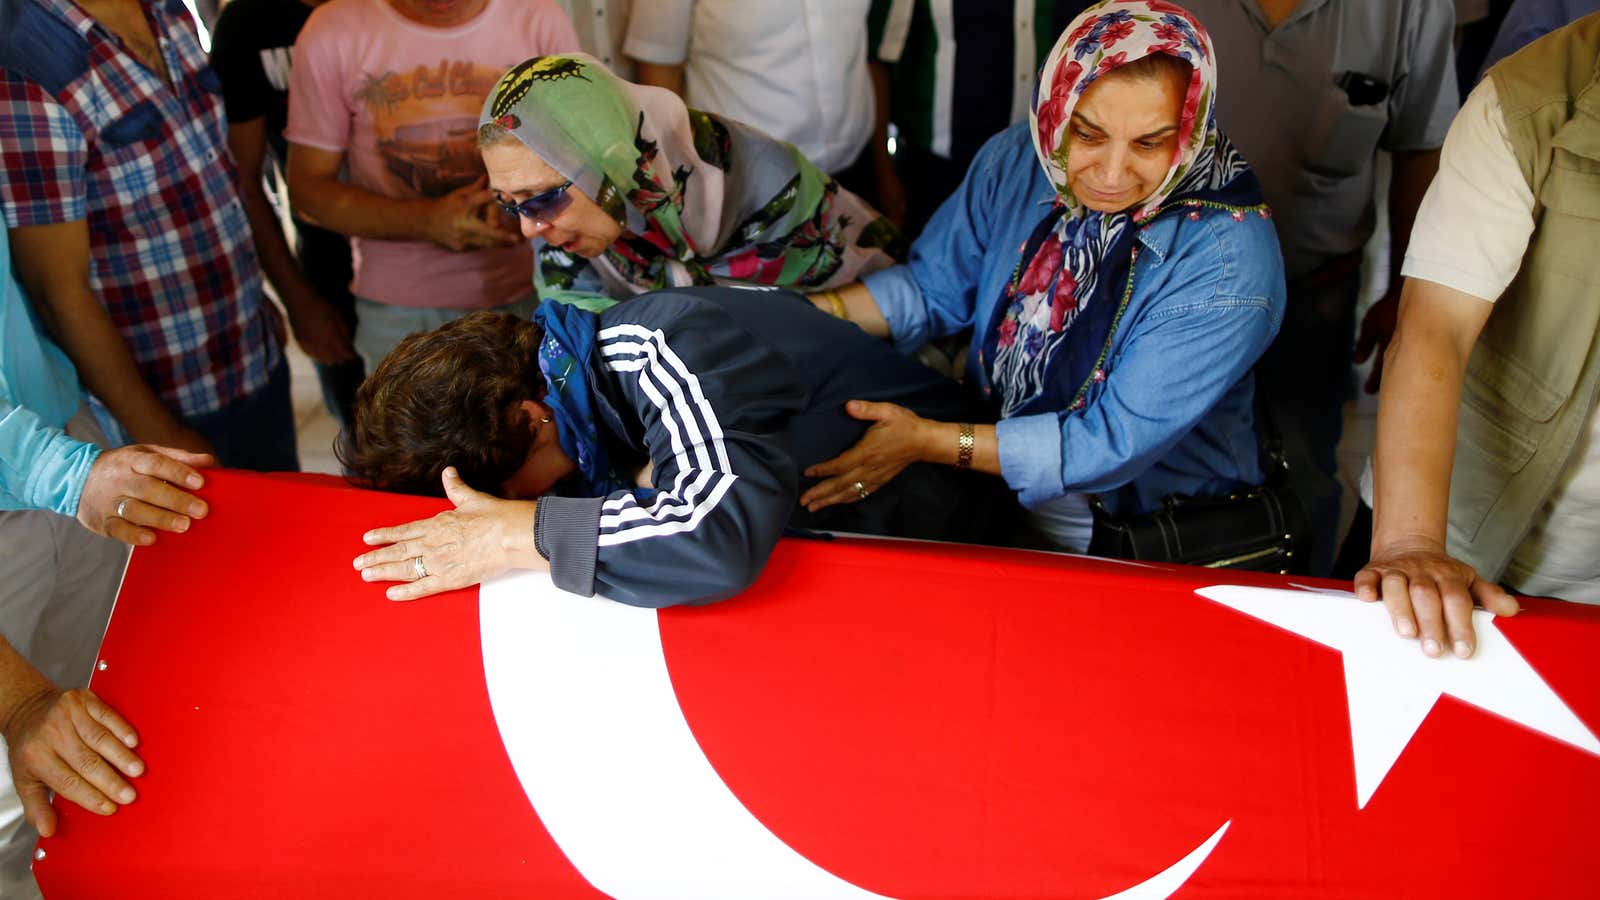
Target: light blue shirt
point(1529, 20)
point(40, 466)
point(1174, 414)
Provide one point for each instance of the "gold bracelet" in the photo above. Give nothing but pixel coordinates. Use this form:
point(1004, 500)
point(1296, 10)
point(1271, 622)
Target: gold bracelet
point(836, 304)
point(966, 440)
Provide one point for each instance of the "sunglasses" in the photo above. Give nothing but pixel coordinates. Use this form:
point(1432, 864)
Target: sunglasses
point(543, 206)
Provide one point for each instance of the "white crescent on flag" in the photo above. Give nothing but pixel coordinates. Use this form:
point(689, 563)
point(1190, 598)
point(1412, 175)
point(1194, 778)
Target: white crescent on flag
point(585, 704)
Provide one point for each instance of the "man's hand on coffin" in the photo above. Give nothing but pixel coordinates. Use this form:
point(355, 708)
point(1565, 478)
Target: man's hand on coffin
point(482, 537)
point(74, 744)
point(1430, 595)
point(133, 491)
point(898, 437)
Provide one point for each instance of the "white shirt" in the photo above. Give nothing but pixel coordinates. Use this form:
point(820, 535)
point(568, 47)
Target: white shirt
point(1472, 230)
point(601, 27)
point(796, 69)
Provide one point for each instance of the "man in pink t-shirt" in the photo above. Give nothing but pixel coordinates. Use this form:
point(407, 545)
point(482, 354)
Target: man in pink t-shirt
point(383, 109)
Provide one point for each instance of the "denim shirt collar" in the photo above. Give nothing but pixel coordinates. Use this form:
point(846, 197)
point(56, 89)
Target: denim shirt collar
point(1159, 235)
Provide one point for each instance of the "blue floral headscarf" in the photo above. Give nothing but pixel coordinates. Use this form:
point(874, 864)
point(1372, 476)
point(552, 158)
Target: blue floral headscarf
point(1048, 341)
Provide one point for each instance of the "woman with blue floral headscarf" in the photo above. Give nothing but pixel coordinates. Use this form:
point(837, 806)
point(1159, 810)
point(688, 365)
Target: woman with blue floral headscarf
point(1113, 260)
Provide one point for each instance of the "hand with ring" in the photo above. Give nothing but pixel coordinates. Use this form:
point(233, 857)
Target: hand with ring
point(134, 491)
point(483, 536)
point(898, 437)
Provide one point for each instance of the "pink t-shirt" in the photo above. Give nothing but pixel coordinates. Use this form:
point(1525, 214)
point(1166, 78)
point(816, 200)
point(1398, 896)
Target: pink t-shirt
point(401, 101)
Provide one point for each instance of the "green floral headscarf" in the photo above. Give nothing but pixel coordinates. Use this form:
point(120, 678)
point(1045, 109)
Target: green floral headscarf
point(702, 199)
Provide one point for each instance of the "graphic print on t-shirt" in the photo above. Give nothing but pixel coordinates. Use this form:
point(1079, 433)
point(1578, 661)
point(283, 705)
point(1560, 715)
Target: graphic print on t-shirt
point(426, 121)
point(275, 62)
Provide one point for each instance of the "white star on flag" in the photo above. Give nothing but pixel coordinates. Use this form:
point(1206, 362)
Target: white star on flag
point(1391, 685)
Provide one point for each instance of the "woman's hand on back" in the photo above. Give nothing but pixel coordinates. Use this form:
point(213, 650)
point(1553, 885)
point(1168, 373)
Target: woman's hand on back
point(482, 537)
point(898, 437)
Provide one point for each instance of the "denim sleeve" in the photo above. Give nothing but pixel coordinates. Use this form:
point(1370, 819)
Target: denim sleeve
point(935, 294)
point(40, 467)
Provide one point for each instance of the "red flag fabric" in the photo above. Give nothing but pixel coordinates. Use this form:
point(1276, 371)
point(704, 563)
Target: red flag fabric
point(872, 718)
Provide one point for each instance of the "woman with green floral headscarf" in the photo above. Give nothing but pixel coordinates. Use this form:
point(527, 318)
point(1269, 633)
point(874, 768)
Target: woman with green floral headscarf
point(627, 190)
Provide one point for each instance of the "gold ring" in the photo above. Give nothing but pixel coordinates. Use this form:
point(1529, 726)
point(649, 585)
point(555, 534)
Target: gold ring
point(861, 490)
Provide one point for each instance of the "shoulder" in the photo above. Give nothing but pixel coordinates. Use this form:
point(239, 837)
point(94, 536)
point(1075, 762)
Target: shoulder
point(1007, 165)
point(671, 312)
point(334, 18)
point(38, 46)
point(1214, 257)
point(1009, 150)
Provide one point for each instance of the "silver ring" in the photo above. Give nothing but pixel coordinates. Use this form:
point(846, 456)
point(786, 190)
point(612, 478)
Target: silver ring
point(122, 507)
point(419, 568)
point(861, 489)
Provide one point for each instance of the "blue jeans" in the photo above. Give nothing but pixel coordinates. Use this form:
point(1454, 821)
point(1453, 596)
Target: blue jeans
point(257, 430)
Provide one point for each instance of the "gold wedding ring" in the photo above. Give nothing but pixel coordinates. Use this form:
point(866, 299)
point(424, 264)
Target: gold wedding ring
point(861, 490)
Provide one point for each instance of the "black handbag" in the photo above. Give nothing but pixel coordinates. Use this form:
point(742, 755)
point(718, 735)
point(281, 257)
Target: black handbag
point(1260, 529)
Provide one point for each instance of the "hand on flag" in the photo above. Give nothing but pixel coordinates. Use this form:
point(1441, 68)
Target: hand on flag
point(72, 743)
point(482, 537)
point(133, 491)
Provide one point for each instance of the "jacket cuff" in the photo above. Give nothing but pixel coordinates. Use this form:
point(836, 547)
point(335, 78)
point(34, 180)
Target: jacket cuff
point(566, 532)
point(1030, 456)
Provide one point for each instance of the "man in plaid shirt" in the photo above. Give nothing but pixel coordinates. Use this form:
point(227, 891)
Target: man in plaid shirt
point(128, 231)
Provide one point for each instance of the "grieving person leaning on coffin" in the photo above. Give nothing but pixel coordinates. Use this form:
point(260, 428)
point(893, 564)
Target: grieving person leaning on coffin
point(651, 453)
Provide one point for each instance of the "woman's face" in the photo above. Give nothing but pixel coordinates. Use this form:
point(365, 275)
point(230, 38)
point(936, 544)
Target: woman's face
point(546, 464)
point(515, 174)
point(1121, 140)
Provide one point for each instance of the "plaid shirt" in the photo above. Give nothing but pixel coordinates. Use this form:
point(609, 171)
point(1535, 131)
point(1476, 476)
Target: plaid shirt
point(87, 132)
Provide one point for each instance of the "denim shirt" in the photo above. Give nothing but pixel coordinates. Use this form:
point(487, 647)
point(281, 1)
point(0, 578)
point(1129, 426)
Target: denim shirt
point(40, 466)
point(1174, 412)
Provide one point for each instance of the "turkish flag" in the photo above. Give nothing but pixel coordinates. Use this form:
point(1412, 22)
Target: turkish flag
point(872, 718)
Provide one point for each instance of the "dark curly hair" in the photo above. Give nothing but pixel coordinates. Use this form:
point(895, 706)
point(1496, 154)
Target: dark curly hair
point(447, 397)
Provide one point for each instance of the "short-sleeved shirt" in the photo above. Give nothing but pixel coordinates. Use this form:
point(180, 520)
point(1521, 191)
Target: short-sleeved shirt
point(401, 100)
point(252, 52)
point(952, 90)
point(88, 133)
point(602, 27)
point(1312, 141)
point(1472, 231)
point(795, 69)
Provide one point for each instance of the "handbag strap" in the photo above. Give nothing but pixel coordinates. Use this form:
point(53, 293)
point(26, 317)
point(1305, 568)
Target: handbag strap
point(1269, 440)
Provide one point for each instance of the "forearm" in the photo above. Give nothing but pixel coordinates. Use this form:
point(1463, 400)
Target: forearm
point(854, 303)
point(879, 144)
point(20, 682)
point(272, 248)
point(85, 331)
point(1418, 408)
point(661, 75)
point(1412, 173)
point(357, 212)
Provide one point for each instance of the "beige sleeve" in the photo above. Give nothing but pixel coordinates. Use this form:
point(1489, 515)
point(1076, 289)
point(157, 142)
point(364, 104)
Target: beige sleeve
point(1476, 220)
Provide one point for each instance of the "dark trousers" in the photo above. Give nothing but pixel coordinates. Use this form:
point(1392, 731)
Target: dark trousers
point(257, 430)
point(1306, 377)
